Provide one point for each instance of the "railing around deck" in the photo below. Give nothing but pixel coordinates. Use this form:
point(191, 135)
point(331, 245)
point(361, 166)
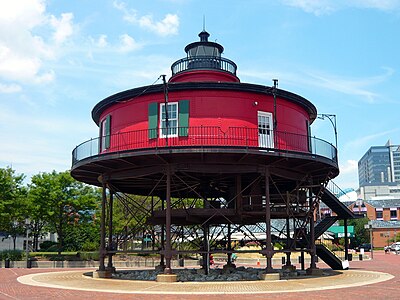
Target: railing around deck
point(205, 136)
point(204, 62)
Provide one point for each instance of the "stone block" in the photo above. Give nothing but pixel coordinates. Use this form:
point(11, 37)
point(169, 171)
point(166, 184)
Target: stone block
point(270, 276)
point(167, 278)
point(314, 272)
point(102, 274)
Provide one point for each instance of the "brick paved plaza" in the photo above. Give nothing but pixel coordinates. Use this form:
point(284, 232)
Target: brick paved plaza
point(11, 288)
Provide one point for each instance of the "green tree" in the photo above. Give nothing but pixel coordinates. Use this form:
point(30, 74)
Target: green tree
point(13, 208)
point(61, 202)
point(361, 234)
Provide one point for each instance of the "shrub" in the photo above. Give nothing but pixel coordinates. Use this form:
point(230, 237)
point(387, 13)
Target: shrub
point(13, 255)
point(95, 255)
point(46, 245)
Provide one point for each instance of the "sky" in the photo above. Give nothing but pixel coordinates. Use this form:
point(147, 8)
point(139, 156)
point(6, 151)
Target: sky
point(58, 59)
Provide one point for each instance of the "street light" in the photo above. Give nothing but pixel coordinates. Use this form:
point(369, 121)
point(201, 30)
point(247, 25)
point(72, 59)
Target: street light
point(27, 223)
point(332, 119)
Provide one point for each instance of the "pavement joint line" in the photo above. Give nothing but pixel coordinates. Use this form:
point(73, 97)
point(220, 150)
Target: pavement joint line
point(356, 278)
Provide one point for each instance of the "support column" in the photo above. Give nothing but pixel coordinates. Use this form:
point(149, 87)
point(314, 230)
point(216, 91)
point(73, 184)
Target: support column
point(102, 272)
point(111, 244)
point(162, 256)
point(269, 249)
point(168, 249)
point(313, 270)
point(102, 249)
point(168, 276)
point(206, 246)
point(239, 197)
point(288, 245)
point(229, 246)
point(346, 241)
point(313, 264)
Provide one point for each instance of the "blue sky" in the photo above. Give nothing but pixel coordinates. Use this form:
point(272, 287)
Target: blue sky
point(59, 58)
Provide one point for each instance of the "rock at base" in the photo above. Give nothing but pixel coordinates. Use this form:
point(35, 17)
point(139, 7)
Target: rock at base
point(167, 278)
point(102, 274)
point(270, 276)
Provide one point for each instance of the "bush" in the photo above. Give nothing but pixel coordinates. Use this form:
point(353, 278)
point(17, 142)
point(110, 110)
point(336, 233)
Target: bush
point(95, 255)
point(13, 255)
point(90, 246)
point(46, 245)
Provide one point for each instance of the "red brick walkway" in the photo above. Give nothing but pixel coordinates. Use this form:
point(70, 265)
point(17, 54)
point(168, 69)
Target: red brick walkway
point(10, 288)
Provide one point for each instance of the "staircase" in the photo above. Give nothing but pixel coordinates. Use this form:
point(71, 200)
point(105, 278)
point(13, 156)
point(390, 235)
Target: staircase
point(330, 258)
point(342, 212)
point(336, 206)
point(323, 226)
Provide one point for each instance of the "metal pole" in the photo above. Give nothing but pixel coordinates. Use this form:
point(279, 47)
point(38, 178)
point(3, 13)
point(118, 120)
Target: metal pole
point(346, 241)
point(103, 227)
point(372, 240)
point(274, 94)
point(27, 223)
point(269, 252)
point(166, 108)
point(313, 264)
point(229, 245)
point(110, 232)
point(168, 250)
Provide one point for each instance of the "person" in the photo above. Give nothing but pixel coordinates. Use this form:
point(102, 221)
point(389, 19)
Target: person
point(211, 259)
point(233, 257)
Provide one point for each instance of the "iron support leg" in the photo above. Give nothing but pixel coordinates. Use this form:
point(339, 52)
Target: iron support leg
point(168, 249)
point(111, 243)
point(102, 249)
point(346, 241)
point(269, 252)
point(313, 264)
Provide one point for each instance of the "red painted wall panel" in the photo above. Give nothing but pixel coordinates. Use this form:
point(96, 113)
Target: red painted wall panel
point(221, 108)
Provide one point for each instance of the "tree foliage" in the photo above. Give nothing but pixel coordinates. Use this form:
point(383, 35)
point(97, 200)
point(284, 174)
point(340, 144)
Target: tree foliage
point(13, 208)
point(63, 205)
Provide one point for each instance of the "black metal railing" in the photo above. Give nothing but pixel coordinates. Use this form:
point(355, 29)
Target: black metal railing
point(204, 62)
point(205, 136)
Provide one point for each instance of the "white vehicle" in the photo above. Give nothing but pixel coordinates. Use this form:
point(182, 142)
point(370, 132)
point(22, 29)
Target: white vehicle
point(395, 246)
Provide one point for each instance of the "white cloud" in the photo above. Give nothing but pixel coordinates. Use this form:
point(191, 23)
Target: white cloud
point(23, 53)
point(361, 87)
point(63, 27)
point(167, 26)
point(102, 41)
point(365, 141)
point(128, 43)
point(323, 7)
point(316, 7)
point(9, 88)
point(350, 166)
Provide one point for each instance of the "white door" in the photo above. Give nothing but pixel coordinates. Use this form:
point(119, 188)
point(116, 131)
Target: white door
point(265, 130)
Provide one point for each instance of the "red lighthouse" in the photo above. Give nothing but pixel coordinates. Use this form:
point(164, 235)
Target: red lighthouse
point(215, 156)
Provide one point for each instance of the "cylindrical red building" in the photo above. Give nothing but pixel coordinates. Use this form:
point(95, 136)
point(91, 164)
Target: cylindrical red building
point(214, 151)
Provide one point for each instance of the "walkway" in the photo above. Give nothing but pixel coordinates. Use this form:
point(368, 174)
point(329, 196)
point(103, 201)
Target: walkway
point(363, 272)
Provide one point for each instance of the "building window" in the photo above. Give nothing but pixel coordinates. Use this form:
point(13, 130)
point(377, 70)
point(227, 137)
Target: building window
point(105, 133)
point(379, 215)
point(393, 214)
point(172, 113)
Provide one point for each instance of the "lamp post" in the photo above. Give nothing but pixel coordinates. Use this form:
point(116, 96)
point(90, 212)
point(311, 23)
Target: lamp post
point(27, 223)
point(332, 119)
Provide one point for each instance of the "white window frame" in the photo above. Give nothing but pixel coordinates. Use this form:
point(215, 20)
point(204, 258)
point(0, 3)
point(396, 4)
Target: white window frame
point(173, 129)
point(103, 134)
point(265, 139)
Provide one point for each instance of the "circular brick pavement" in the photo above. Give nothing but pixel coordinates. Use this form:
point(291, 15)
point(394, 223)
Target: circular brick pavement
point(75, 280)
point(10, 288)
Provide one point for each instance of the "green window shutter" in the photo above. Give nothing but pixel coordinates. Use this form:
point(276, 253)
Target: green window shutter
point(107, 138)
point(183, 120)
point(153, 120)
